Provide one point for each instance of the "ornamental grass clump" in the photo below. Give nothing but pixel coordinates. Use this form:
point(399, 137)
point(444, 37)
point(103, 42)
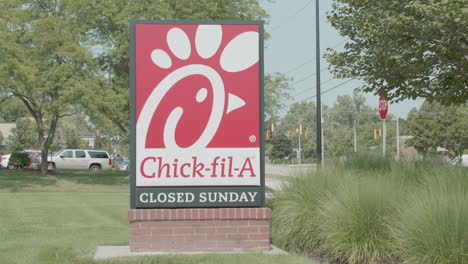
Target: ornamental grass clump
point(368, 162)
point(376, 212)
point(294, 214)
point(411, 175)
point(354, 224)
point(432, 227)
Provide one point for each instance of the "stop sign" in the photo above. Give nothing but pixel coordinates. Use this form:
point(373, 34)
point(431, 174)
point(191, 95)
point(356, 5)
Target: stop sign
point(383, 107)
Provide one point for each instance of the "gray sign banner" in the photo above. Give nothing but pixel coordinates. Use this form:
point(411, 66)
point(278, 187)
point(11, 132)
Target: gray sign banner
point(199, 197)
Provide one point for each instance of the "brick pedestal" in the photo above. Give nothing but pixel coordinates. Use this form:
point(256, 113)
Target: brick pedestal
point(199, 230)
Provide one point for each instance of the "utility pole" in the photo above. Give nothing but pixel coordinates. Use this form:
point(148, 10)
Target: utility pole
point(398, 138)
point(383, 110)
point(355, 137)
point(384, 135)
point(319, 104)
point(300, 150)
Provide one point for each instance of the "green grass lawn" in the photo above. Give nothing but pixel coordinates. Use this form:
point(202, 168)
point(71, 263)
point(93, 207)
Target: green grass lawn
point(62, 218)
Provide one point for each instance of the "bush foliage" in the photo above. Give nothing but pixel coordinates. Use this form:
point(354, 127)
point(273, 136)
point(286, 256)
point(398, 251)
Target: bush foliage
point(19, 160)
point(371, 210)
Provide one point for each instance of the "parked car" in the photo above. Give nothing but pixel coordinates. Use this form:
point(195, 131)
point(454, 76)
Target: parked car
point(464, 160)
point(4, 159)
point(79, 159)
point(124, 165)
point(32, 154)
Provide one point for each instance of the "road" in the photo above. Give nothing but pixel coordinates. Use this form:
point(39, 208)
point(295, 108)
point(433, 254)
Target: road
point(288, 170)
point(284, 171)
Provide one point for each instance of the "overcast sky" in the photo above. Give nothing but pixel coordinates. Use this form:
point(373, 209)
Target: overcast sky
point(291, 50)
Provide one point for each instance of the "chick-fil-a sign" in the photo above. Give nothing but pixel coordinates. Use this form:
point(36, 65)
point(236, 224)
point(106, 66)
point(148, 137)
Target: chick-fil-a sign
point(196, 104)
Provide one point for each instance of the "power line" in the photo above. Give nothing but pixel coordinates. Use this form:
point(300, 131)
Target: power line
point(308, 89)
point(307, 77)
point(303, 79)
point(333, 88)
point(311, 59)
point(290, 18)
point(299, 66)
point(313, 96)
point(339, 44)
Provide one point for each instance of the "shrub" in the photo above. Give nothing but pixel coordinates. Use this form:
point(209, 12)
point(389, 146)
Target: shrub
point(19, 160)
point(294, 214)
point(354, 222)
point(433, 226)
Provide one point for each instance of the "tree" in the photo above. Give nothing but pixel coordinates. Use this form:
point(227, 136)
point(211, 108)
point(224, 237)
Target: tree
point(24, 135)
point(70, 125)
point(276, 91)
point(309, 149)
point(73, 140)
point(12, 109)
point(341, 143)
point(339, 125)
point(435, 125)
point(454, 130)
point(109, 26)
point(405, 49)
point(404, 123)
point(44, 63)
point(425, 128)
point(305, 113)
point(348, 110)
point(281, 147)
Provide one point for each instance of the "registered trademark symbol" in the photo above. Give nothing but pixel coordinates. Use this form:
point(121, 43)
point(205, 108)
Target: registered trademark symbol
point(252, 138)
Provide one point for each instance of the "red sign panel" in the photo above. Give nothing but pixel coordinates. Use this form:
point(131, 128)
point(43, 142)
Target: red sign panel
point(383, 107)
point(197, 105)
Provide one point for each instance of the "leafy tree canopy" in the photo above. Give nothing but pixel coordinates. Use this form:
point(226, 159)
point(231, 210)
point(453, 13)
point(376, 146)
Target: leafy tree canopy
point(12, 109)
point(341, 143)
point(304, 112)
point(454, 130)
point(24, 135)
point(276, 91)
point(405, 49)
point(281, 147)
point(108, 22)
point(435, 125)
point(44, 62)
point(349, 109)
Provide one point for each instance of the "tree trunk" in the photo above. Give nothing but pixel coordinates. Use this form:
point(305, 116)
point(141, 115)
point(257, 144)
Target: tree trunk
point(459, 155)
point(40, 132)
point(36, 112)
point(45, 144)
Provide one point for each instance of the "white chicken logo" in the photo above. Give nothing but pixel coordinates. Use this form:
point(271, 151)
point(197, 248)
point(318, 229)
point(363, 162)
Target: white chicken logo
point(238, 55)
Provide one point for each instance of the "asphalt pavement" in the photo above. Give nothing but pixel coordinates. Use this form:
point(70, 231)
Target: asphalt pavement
point(284, 171)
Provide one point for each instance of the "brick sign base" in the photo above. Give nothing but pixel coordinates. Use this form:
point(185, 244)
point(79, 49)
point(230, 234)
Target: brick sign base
point(199, 230)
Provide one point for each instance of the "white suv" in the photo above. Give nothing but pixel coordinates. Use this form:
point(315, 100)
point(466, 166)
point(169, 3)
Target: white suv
point(80, 159)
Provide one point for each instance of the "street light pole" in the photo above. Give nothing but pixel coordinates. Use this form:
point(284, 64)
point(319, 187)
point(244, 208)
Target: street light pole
point(319, 105)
